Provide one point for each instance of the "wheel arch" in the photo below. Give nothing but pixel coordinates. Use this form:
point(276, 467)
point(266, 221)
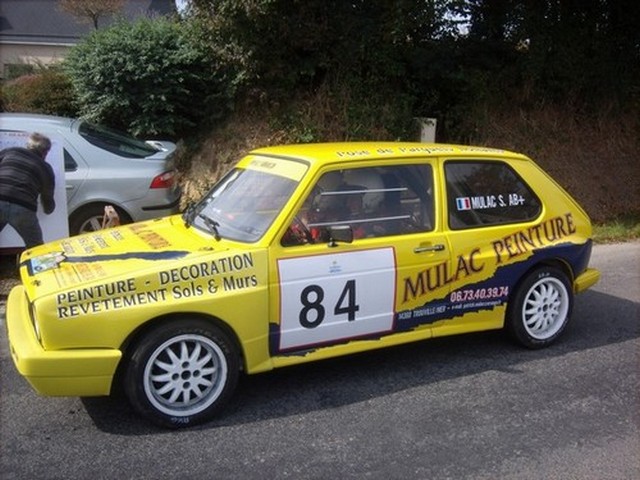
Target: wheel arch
point(97, 202)
point(560, 264)
point(134, 338)
point(555, 262)
point(97, 205)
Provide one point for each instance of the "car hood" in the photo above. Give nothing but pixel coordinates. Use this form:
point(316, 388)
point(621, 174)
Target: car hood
point(130, 251)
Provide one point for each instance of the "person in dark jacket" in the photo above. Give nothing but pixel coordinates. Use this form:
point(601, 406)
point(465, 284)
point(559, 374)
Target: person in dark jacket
point(24, 175)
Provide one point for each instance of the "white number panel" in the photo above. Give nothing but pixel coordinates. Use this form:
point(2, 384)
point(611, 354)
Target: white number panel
point(329, 298)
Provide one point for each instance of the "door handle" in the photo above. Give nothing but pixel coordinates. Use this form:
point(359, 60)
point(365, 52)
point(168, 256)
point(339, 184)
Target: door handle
point(430, 248)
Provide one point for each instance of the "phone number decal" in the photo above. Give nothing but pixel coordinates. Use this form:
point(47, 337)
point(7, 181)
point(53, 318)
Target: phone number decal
point(473, 294)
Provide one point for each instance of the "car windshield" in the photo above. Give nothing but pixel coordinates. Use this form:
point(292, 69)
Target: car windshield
point(116, 142)
point(243, 204)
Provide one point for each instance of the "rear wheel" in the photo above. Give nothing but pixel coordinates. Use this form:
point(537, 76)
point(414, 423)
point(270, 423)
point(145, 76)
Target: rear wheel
point(182, 373)
point(541, 308)
point(89, 218)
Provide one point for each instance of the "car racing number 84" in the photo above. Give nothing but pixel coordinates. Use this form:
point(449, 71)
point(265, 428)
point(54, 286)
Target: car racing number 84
point(327, 299)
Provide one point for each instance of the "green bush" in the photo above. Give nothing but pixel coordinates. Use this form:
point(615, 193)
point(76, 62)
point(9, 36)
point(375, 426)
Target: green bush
point(47, 91)
point(152, 78)
point(15, 70)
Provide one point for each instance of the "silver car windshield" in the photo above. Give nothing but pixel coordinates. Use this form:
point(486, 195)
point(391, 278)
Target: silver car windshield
point(243, 205)
point(116, 142)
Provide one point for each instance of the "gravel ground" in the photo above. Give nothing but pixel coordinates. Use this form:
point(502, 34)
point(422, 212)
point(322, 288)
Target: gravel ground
point(8, 275)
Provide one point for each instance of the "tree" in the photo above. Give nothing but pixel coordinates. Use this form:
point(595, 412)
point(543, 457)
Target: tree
point(288, 43)
point(90, 11)
point(154, 77)
point(584, 50)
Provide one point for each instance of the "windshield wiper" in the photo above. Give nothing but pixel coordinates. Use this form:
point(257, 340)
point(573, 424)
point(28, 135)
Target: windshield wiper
point(189, 214)
point(211, 224)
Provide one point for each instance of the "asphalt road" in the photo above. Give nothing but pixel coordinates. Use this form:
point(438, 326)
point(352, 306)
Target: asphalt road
point(468, 407)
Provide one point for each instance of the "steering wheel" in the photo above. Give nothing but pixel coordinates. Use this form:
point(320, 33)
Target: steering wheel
point(300, 226)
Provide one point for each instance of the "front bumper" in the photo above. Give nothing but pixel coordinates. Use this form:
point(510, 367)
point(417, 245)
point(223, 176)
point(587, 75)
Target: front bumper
point(75, 373)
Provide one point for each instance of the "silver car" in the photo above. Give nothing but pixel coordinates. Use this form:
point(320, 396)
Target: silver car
point(105, 167)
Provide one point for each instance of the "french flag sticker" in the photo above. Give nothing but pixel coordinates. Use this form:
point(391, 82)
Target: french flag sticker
point(463, 203)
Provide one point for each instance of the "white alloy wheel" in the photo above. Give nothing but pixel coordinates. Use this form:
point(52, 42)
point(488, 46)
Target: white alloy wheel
point(540, 308)
point(91, 224)
point(185, 375)
point(546, 308)
point(181, 372)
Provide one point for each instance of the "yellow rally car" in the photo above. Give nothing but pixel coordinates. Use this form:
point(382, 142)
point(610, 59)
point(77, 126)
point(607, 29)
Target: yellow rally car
point(301, 253)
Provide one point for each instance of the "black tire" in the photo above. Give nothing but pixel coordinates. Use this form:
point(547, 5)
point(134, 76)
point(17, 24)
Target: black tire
point(541, 308)
point(89, 218)
point(181, 373)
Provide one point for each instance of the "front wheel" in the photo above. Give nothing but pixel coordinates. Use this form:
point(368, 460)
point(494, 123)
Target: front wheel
point(182, 373)
point(541, 308)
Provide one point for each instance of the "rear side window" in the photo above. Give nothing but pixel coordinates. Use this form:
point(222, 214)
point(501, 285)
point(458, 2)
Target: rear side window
point(116, 142)
point(70, 165)
point(487, 193)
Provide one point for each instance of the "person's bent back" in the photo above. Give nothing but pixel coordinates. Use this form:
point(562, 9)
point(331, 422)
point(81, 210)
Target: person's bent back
point(24, 175)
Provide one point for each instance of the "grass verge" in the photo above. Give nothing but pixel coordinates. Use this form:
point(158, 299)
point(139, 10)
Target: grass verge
point(622, 229)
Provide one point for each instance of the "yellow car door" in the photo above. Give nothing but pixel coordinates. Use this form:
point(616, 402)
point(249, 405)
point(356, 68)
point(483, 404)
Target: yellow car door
point(359, 265)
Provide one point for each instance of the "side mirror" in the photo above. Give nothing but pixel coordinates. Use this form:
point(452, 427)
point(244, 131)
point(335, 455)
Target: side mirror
point(340, 233)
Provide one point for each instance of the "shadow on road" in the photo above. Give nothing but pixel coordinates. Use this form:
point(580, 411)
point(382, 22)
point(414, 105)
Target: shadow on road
point(357, 378)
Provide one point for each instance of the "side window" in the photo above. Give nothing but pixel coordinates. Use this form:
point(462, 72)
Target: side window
point(487, 193)
point(373, 202)
point(70, 164)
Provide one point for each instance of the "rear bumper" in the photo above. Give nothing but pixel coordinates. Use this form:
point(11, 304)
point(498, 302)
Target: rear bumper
point(155, 204)
point(171, 208)
point(74, 373)
point(585, 280)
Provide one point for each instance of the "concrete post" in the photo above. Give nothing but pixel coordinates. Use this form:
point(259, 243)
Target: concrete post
point(427, 129)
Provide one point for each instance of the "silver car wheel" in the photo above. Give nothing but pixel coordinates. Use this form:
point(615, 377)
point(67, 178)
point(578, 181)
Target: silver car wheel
point(185, 375)
point(92, 224)
point(89, 218)
point(546, 308)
